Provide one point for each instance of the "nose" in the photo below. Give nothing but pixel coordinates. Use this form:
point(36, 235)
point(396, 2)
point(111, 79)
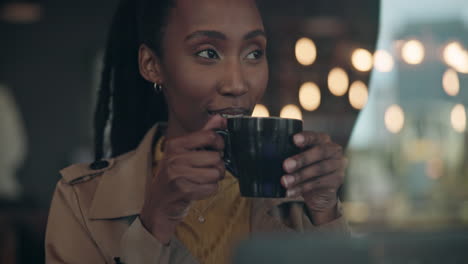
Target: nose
point(233, 82)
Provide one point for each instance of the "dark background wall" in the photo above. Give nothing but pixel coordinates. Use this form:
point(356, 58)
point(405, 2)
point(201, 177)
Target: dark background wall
point(48, 67)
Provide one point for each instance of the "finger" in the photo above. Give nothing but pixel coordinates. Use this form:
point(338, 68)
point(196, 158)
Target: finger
point(310, 138)
point(206, 176)
point(204, 191)
point(313, 155)
point(313, 171)
point(215, 122)
point(188, 190)
point(204, 139)
point(196, 159)
point(321, 199)
point(330, 182)
point(197, 175)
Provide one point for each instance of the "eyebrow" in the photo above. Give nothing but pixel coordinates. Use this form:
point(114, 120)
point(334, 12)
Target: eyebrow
point(255, 33)
point(221, 36)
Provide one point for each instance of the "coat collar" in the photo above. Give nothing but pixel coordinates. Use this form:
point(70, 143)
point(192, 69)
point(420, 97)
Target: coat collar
point(121, 190)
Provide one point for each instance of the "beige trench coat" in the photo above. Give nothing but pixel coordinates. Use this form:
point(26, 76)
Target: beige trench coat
point(94, 216)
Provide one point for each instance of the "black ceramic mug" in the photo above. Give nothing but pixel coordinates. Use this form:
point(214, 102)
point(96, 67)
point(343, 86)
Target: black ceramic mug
point(255, 150)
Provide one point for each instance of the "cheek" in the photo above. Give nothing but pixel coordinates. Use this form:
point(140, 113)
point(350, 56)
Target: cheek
point(189, 89)
point(258, 80)
point(191, 82)
point(185, 79)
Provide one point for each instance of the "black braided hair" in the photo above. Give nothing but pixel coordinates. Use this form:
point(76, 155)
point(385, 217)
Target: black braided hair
point(126, 102)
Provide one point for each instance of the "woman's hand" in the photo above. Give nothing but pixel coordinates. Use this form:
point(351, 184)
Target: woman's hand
point(316, 174)
point(187, 172)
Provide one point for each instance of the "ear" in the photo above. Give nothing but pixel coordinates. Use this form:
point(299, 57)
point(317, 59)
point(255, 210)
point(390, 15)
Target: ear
point(149, 65)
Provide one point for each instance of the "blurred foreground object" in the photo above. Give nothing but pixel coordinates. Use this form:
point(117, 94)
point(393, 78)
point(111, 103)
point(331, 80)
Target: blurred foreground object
point(408, 154)
point(13, 145)
point(398, 247)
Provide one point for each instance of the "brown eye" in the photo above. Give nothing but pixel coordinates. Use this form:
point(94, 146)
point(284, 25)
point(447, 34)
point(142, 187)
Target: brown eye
point(255, 55)
point(208, 54)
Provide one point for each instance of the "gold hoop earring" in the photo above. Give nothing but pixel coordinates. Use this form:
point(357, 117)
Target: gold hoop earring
point(157, 88)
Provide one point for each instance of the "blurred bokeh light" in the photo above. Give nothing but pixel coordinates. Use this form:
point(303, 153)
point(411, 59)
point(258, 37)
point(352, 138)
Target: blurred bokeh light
point(451, 82)
point(309, 96)
point(338, 81)
point(291, 111)
point(260, 111)
point(458, 118)
point(20, 12)
point(383, 61)
point(358, 95)
point(394, 119)
point(306, 51)
point(456, 56)
point(362, 60)
point(413, 52)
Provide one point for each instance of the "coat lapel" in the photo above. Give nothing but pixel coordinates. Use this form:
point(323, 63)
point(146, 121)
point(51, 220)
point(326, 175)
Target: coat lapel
point(121, 191)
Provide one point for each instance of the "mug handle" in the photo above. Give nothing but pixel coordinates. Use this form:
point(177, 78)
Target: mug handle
point(227, 150)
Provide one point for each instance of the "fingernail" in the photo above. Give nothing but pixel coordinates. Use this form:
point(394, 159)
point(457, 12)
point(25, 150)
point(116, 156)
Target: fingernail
point(291, 193)
point(288, 180)
point(299, 139)
point(290, 164)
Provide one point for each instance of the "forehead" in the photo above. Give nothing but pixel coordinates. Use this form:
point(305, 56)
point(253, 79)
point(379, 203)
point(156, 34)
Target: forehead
point(228, 16)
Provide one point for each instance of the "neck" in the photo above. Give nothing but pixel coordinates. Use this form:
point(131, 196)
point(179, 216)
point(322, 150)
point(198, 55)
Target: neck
point(174, 127)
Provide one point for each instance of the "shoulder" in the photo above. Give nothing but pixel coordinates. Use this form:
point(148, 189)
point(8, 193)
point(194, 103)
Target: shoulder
point(86, 176)
point(82, 179)
point(79, 183)
point(78, 173)
point(84, 172)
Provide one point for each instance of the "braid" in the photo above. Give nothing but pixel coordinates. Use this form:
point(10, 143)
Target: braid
point(127, 101)
point(102, 112)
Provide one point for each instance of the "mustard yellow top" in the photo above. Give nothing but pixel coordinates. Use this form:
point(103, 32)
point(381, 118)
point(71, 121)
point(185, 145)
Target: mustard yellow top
point(213, 226)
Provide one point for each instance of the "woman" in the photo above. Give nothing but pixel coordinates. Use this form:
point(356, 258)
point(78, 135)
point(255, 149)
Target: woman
point(171, 200)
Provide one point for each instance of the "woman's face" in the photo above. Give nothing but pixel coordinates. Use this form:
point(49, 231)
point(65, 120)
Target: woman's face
point(214, 61)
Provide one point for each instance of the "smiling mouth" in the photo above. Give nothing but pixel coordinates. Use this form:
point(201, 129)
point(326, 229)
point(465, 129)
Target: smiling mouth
point(230, 112)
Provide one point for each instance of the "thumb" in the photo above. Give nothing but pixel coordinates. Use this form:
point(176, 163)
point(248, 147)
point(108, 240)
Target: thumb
point(215, 122)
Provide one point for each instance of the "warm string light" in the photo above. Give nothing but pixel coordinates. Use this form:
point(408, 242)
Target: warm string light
point(309, 96)
point(291, 111)
point(413, 52)
point(260, 111)
point(306, 51)
point(394, 119)
point(450, 82)
point(338, 81)
point(456, 57)
point(362, 60)
point(383, 61)
point(458, 118)
point(358, 95)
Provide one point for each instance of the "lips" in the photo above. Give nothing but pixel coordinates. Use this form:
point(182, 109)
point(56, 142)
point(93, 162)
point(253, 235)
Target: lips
point(230, 112)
